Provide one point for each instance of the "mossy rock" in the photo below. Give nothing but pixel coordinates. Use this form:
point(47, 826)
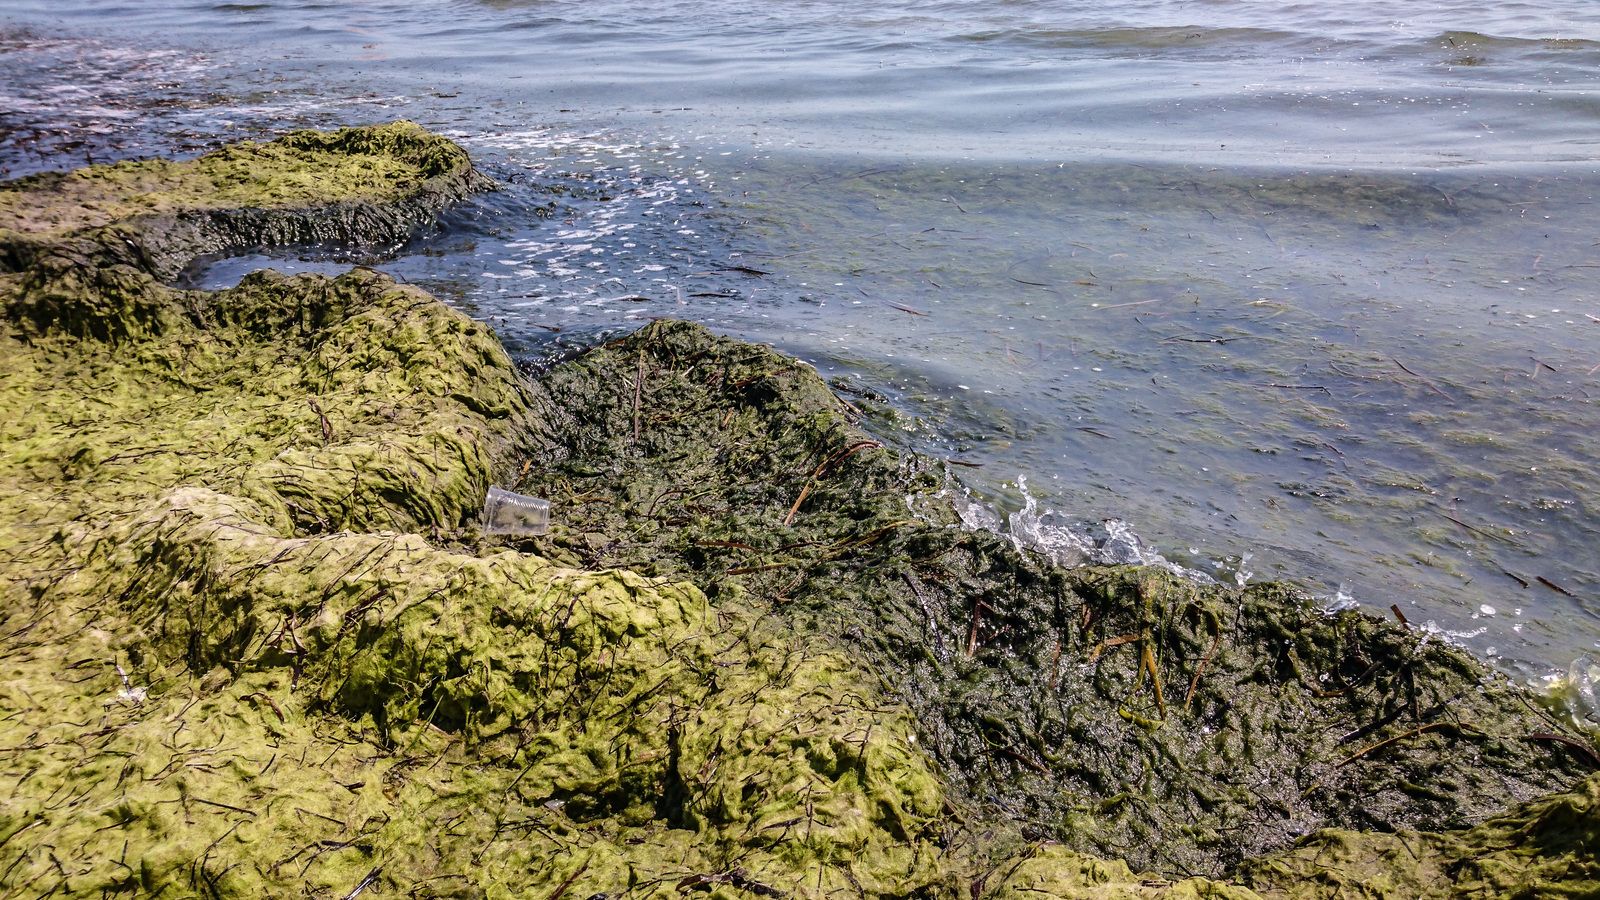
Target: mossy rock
point(363, 187)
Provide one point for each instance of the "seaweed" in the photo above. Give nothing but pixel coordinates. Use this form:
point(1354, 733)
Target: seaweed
point(1543, 848)
point(1121, 711)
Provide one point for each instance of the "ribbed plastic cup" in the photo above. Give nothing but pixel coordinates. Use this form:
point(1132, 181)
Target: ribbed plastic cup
point(508, 513)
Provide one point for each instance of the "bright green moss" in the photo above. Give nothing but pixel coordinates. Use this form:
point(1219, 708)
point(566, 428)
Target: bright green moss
point(1545, 848)
point(227, 501)
point(305, 168)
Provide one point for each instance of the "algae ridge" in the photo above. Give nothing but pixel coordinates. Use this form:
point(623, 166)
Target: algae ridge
point(253, 644)
point(358, 186)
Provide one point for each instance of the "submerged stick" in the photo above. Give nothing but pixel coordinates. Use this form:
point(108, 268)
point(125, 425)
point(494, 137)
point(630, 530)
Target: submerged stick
point(1425, 380)
point(1554, 587)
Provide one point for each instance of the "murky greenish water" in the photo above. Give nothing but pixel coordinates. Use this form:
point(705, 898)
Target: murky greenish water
point(1284, 290)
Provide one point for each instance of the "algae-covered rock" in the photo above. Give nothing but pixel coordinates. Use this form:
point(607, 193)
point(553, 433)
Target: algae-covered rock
point(251, 643)
point(355, 186)
point(1121, 711)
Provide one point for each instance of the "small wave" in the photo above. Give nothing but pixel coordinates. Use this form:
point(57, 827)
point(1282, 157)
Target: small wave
point(1140, 41)
point(1472, 40)
point(1470, 48)
point(1110, 542)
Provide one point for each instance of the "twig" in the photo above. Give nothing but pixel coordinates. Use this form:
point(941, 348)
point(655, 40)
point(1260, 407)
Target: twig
point(223, 805)
point(1554, 587)
point(1114, 642)
point(365, 883)
point(748, 569)
point(797, 501)
point(1136, 303)
point(1299, 387)
point(843, 454)
point(327, 429)
point(1433, 727)
point(1575, 744)
point(565, 884)
point(1424, 378)
point(1155, 678)
point(1469, 527)
point(517, 485)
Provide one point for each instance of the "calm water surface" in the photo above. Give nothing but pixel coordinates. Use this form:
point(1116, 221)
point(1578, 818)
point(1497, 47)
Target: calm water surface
point(1293, 290)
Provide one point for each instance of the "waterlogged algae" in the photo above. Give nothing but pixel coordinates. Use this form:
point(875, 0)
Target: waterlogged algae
point(252, 643)
point(1120, 711)
point(364, 186)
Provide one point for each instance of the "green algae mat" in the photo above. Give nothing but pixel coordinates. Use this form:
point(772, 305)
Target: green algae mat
point(367, 186)
point(252, 644)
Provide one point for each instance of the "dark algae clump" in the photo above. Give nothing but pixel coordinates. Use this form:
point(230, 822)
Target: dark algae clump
point(1120, 711)
point(253, 645)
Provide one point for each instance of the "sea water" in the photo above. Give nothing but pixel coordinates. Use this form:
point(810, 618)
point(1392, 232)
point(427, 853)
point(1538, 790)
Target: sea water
point(1251, 290)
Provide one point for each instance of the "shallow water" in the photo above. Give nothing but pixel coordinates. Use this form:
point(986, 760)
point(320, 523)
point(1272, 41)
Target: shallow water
point(1293, 290)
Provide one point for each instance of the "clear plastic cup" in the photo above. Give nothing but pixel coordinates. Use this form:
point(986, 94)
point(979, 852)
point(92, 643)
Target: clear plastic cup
point(508, 513)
